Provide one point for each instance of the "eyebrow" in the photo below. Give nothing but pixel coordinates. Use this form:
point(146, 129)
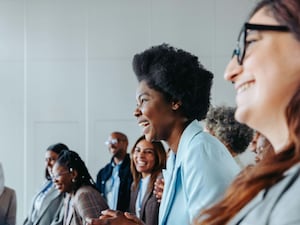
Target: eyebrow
point(142, 94)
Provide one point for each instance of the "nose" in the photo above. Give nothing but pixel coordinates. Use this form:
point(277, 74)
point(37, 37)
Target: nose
point(48, 162)
point(137, 112)
point(54, 179)
point(232, 70)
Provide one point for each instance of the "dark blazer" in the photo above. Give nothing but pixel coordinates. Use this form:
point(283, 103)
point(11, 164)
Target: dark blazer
point(149, 209)
point(125, 182)
point(87, 202)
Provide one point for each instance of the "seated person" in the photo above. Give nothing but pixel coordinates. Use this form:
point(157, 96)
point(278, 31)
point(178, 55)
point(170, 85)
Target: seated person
point(8, 202)
point(82, 200)
point(148, 160)
point(47, 205)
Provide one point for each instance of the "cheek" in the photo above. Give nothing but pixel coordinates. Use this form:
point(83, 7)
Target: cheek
point(151, 162)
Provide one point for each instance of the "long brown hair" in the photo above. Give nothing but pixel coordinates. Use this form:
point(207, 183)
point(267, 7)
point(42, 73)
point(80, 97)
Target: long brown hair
point(160, 163)
point(270, 170)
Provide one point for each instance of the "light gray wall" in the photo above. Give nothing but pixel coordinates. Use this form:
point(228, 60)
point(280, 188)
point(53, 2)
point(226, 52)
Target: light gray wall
point(65, 72)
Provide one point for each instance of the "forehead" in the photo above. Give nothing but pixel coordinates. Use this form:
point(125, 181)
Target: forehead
point(261, 141)
point(144, 144)
point(144, 89)
point(58, 167)
point(263, 16)
point(116, 136)
point(51, 154)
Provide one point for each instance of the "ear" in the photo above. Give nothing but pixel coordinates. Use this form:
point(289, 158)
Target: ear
point(176, 105)
point(74, 174)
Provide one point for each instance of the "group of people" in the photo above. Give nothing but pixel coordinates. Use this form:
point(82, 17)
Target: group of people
point(173, 94)
point(70, 195)
point(203, 185)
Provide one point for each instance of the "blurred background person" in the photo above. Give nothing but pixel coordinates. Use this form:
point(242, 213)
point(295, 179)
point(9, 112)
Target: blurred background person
point(260, 146)
point(8, 202)
point(221, 123)
point(148, 160)
point(114, 180)
point(82, 200)
point(47, 204)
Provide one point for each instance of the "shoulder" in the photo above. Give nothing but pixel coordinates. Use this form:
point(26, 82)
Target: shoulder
point(86, 193)
point(280, 204)
point(203, 144)
point(105, 169)
point(10, 192)
point(85, 189)
point(126, 161)
point(288, 192)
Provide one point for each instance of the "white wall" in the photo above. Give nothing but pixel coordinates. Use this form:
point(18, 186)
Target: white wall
point(65, 72)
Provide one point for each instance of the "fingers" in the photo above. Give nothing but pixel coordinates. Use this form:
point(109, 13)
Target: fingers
point(110, 213)
point(133, 218)
point(94, 221)
point(158, 188)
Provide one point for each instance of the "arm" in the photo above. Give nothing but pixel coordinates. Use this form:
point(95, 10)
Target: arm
point(89, 203)
point(12, 208)
point(206, 172)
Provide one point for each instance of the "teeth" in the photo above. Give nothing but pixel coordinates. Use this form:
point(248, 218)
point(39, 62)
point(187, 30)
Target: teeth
point(143, 124)
point(244, 87)
point(140, 163)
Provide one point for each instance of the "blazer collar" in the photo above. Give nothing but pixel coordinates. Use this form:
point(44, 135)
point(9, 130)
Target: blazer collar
point(173, 168)
point(268, 197)
point(52, 194)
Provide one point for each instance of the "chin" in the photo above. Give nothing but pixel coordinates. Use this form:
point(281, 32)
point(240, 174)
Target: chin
point(148, 137)
point(241, 115)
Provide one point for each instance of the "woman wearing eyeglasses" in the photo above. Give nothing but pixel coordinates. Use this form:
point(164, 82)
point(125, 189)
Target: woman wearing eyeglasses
point(47, 204)
point(265, 71)
point(148, 161)
point(82, 200)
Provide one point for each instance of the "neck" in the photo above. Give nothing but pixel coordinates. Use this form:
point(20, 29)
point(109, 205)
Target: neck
point(117, 160)
point(145, 175)
point(278, 136)
point(177, 130)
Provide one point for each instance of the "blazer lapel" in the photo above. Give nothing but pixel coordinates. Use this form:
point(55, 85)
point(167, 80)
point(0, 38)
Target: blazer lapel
point(52, 194)
point(170, 176)
point(69, 211)
point(245, 211)
point(145, 199)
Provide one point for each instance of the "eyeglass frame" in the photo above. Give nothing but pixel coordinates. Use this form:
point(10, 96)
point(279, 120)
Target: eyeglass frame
point(55, 177)
point(113, 141)
point(251, 26)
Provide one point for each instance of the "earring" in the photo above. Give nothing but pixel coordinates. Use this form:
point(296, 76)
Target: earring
point(175, 106)
point(73, 180)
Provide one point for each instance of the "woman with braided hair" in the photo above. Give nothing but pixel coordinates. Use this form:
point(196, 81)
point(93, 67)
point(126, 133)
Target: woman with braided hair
point(72, 177)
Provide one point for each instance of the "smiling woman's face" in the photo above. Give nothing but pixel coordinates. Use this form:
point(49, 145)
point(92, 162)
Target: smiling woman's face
point(62, 178)
point(268, 78)
point(155, 115)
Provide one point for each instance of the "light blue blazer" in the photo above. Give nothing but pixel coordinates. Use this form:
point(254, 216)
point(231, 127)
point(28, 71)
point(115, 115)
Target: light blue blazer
point(196, 176)
point(280, 205)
